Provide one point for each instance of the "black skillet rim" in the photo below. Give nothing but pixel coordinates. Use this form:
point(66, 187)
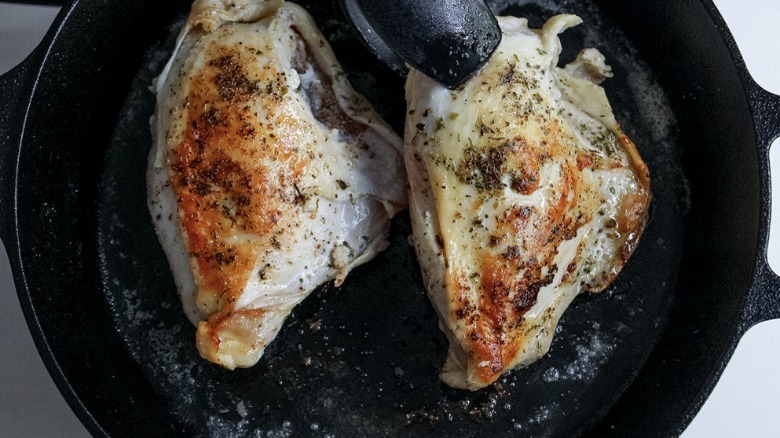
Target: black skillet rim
point(765, 112)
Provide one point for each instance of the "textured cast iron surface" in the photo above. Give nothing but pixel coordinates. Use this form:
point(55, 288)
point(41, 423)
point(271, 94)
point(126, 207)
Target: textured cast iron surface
point(363, 359)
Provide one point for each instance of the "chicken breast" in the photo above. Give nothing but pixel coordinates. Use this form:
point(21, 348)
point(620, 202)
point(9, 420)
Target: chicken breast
point(524, 192)
point(269, 174)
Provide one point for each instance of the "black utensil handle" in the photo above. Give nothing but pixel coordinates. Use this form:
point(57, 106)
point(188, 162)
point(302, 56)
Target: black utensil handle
point(447, 44)
point(763, 301)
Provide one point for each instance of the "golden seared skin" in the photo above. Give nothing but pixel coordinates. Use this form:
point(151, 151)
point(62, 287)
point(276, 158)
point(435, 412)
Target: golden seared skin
point(269, 176)
point(524, 192)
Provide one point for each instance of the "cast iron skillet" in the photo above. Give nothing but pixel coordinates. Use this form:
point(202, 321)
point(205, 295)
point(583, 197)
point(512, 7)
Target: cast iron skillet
point(362, 360)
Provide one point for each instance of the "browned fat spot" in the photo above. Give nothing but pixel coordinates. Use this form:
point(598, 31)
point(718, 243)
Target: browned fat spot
point(464, 308)
point(532, 282)
point(524, 169)
point(583, 161)
point(632, 212)
point(571, 269)
point(517, 218)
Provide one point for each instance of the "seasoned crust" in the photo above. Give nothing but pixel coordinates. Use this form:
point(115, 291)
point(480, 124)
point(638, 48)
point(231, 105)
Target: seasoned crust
point(524, 192)
point(274, 174)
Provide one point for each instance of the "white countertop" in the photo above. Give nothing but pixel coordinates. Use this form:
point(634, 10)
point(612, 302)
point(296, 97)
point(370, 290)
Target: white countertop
point(742, 404)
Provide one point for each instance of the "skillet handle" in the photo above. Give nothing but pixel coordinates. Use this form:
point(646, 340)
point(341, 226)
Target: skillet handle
point(38, 2)
point(15, 89)
point(763, 301)
point(12, 95)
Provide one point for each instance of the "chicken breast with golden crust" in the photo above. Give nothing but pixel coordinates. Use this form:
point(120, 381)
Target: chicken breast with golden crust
point(269, 174)
point(524, 192)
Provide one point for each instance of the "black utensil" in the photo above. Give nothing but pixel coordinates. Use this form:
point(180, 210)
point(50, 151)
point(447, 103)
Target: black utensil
point(447, 40)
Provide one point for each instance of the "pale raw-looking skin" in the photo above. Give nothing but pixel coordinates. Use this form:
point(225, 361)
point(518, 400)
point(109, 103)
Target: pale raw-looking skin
point(524, 192)
point(269, 174)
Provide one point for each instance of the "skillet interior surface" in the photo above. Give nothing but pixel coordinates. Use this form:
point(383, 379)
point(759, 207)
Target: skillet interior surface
point(363, 359)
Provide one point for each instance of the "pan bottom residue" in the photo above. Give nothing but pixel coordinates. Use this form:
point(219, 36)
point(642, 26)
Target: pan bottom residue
point(363, 359)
